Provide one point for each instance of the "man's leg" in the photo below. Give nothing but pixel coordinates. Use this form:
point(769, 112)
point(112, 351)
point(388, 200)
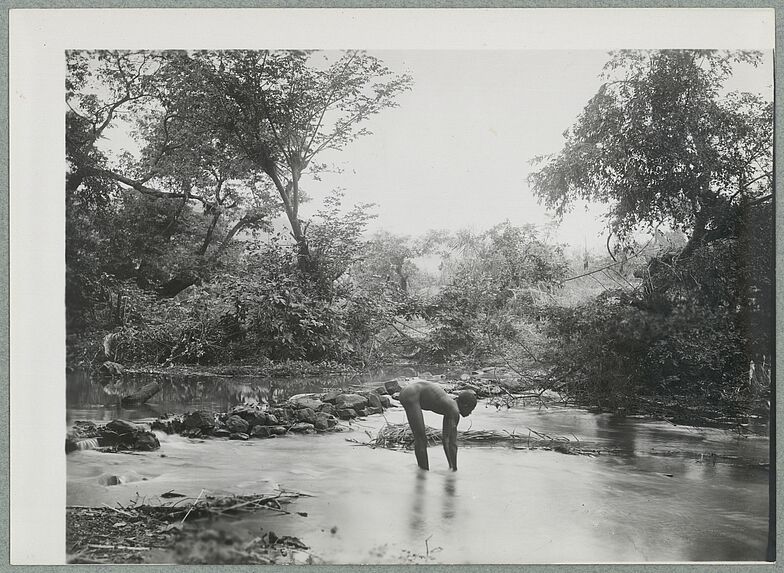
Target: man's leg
point(417, 423)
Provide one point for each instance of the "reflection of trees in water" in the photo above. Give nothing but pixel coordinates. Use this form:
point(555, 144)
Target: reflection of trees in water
point(621, 433)
point(181, 392)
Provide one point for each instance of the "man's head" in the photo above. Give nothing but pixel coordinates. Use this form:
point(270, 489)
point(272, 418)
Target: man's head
point(466, 402)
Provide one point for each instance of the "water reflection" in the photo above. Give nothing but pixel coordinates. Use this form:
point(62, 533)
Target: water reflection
point(448, 510)
point(418, 500)
point(99, 399)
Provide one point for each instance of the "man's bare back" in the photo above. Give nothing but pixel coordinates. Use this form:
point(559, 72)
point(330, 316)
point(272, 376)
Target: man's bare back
point(418, 396)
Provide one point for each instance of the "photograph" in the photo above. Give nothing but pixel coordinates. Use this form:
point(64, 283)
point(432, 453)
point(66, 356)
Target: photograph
point(301, 284)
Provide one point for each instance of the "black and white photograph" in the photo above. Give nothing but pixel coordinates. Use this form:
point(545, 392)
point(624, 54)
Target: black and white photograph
point(367, 303)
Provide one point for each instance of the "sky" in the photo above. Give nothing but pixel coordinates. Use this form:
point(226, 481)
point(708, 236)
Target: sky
point(456, 151)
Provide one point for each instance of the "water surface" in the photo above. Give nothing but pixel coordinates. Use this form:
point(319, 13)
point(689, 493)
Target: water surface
point(661, 496)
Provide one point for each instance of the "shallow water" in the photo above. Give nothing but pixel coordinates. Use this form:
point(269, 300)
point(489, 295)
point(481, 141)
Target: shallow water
point(660, 497)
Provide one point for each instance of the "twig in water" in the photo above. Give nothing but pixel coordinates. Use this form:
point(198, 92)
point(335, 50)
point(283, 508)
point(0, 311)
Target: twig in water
point(191, 507)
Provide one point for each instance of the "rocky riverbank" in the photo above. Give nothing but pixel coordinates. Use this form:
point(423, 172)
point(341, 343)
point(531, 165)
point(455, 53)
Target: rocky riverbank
point(304, 414)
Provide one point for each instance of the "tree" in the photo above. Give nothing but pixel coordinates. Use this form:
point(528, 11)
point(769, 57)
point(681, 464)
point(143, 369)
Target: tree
point(666, 147)
point(493, 292)
point(391, 258)
point(663, 144)
point(175, 164)
point(279, 110)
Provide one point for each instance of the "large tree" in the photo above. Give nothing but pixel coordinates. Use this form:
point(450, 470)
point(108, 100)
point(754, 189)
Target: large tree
point(662, 142)
point(226, 131)
point(279, 110)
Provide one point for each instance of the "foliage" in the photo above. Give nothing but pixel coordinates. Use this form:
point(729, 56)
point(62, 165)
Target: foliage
point(218, 144)
point(667, 148)
point(663, 145)
point(493, 292)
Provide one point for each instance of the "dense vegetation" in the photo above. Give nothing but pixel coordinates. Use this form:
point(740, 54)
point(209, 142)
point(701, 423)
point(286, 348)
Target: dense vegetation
point(174, 245)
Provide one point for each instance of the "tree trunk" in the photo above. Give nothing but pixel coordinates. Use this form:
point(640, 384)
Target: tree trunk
point(210, 230)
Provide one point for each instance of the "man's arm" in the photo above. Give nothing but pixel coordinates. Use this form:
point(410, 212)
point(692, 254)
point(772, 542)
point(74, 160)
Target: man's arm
point(449, 439)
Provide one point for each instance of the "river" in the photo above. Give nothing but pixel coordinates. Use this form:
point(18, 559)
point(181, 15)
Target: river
point(666, 493)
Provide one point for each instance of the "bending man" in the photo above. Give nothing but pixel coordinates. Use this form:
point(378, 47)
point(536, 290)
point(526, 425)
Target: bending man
point(419, 396)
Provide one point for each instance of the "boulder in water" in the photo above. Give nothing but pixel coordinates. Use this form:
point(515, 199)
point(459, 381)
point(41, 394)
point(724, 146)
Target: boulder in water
point(303, 428)
point(306, 415)
point(351, 401)
point(373, 399)
point(236, 425)
point(346, 413)
point(392, 386)
point(324, 421)
point(261, 432)
point(277, 430)
point(199, 419)
point(239, 436)
point(306, 401)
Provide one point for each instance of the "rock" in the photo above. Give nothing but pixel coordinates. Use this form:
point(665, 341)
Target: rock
point(192, 433)
point(303, 428)
point(361, 411)
point(239, 436)
point(346, 413)
point(322, 421)
point(277, 413)
point(122, 427)
point(380, 390)
point(306, 401)
point(199, 419)
point(168, 425)
point(373, 399)
point(396, 396)
point(277, 430)
point(247, 412)
point(146, 442)
point(271, 420)
point(385, 401)
point(221, 433)
point(261, 432)
point(257, 419)
point(107, 479)
point(327, 408)
point(351, 401)
point(373, 410)
point(306, 415)
point(236, 425)
point(392, 386)
point(330, 397)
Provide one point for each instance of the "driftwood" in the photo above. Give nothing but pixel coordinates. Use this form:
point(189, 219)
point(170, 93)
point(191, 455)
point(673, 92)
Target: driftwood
point(141, 396)
point(399, 436)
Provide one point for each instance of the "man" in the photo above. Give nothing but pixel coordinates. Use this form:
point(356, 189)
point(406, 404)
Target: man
point(418, 396)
